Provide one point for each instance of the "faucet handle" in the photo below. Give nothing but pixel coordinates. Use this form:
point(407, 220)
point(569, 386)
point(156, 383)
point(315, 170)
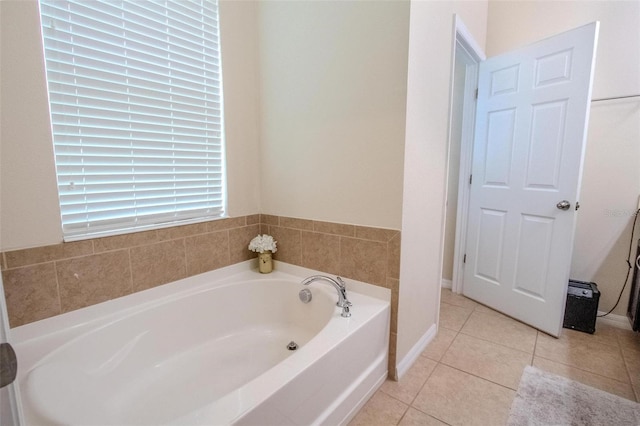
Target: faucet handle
point(341, 281)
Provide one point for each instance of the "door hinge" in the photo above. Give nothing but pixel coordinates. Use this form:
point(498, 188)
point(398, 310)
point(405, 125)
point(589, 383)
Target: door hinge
point(464, 259)
point(476, 93)
point(470, 179)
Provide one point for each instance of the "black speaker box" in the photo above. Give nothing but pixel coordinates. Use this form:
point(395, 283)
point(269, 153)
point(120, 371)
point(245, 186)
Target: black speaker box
point(582, 306)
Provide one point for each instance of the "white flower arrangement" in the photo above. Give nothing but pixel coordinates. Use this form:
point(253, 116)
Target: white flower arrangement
point(262, 243)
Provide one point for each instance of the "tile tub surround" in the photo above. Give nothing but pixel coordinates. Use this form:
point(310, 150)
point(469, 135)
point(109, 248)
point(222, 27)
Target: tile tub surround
point(46, 281)
point(367, 254)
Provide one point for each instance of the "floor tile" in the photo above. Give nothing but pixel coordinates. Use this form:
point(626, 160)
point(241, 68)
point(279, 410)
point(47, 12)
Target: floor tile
point(632, 361)
point(605, 334)
point(606, 384)
point(583, 352)
point(488, 360)
point(501, 329)
point(453, 317)
point(410, 384)
point(628, 339)
point(439, 345)
point(447, 296)
point(415, 417)
point(380, 410)
point(483, 308)
point(458, 398)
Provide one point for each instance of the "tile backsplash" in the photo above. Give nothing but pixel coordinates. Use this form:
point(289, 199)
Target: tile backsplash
point(367, 254)
point(46, 281)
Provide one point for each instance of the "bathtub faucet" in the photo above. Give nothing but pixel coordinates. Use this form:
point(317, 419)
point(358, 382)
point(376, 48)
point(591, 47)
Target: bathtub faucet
point(343, 302)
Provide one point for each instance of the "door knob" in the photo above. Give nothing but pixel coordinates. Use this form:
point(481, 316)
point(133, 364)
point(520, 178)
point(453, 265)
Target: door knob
point(563, 205)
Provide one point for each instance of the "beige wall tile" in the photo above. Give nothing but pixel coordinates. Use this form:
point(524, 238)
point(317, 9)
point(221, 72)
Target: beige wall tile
point(590, 379)
point(228, 223)
point(31, 256)
point(269, 219)
point(335, 228)
point(239, 239)
point(124, 241)
point(375, 234)
point(394, 285)
point(363, 260)
point(321, 252)
point(252, 219)
point(289, 244)
point(459, 398)
point(393, 257)
point(291, 222)
point(160, 263)
point(380, 410)
point(154, 261)
point(176, 232)
point(207, 252)
point(393, 341)
point(31, 293)
point(88, 280)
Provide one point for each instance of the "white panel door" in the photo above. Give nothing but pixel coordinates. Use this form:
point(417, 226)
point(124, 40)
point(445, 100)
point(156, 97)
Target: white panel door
point(531, 121)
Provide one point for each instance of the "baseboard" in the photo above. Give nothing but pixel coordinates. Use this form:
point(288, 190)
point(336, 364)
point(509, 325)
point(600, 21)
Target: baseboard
point(619, 321)
point(444, 283)
point(403, 366)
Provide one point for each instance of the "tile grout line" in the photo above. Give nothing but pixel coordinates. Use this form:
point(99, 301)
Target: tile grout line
point(586, 371)
point(535, 347)
point(430, 415)
point(55, 271)
point(481, 378)
point(500, 344)
point(626, 367)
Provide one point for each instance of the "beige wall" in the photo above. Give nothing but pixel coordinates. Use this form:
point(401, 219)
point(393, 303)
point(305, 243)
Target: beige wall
point(30, 213)
point(333, 109)
point(425, 167)
point(611, 180)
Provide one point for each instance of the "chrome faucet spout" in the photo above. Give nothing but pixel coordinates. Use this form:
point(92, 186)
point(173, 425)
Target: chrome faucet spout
point(339, 285)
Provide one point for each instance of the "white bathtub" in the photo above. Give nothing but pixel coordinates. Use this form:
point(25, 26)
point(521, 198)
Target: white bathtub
point(209, 349)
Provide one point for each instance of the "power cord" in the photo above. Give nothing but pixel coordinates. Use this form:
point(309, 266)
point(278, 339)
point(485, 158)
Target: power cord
point(633, 229)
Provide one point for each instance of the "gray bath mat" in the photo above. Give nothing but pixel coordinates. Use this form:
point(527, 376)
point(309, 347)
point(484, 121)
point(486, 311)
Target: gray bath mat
point(546, 399)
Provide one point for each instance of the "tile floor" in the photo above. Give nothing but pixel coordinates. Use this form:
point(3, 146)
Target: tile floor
point(468, 375)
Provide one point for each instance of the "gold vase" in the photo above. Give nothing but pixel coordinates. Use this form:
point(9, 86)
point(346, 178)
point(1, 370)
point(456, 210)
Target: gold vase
point(265, 264)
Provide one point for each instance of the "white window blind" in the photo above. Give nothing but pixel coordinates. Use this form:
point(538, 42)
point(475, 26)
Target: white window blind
point(135, 93)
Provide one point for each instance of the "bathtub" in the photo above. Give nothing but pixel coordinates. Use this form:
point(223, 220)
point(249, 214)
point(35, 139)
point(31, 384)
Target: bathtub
point(209, 349)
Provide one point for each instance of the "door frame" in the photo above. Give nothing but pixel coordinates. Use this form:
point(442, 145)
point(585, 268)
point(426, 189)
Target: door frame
point(463, 39)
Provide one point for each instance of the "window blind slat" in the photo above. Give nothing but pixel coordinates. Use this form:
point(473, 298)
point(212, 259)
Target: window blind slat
point(136, 107)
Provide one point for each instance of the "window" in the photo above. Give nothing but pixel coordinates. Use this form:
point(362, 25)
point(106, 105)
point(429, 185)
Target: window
point(135, 92)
